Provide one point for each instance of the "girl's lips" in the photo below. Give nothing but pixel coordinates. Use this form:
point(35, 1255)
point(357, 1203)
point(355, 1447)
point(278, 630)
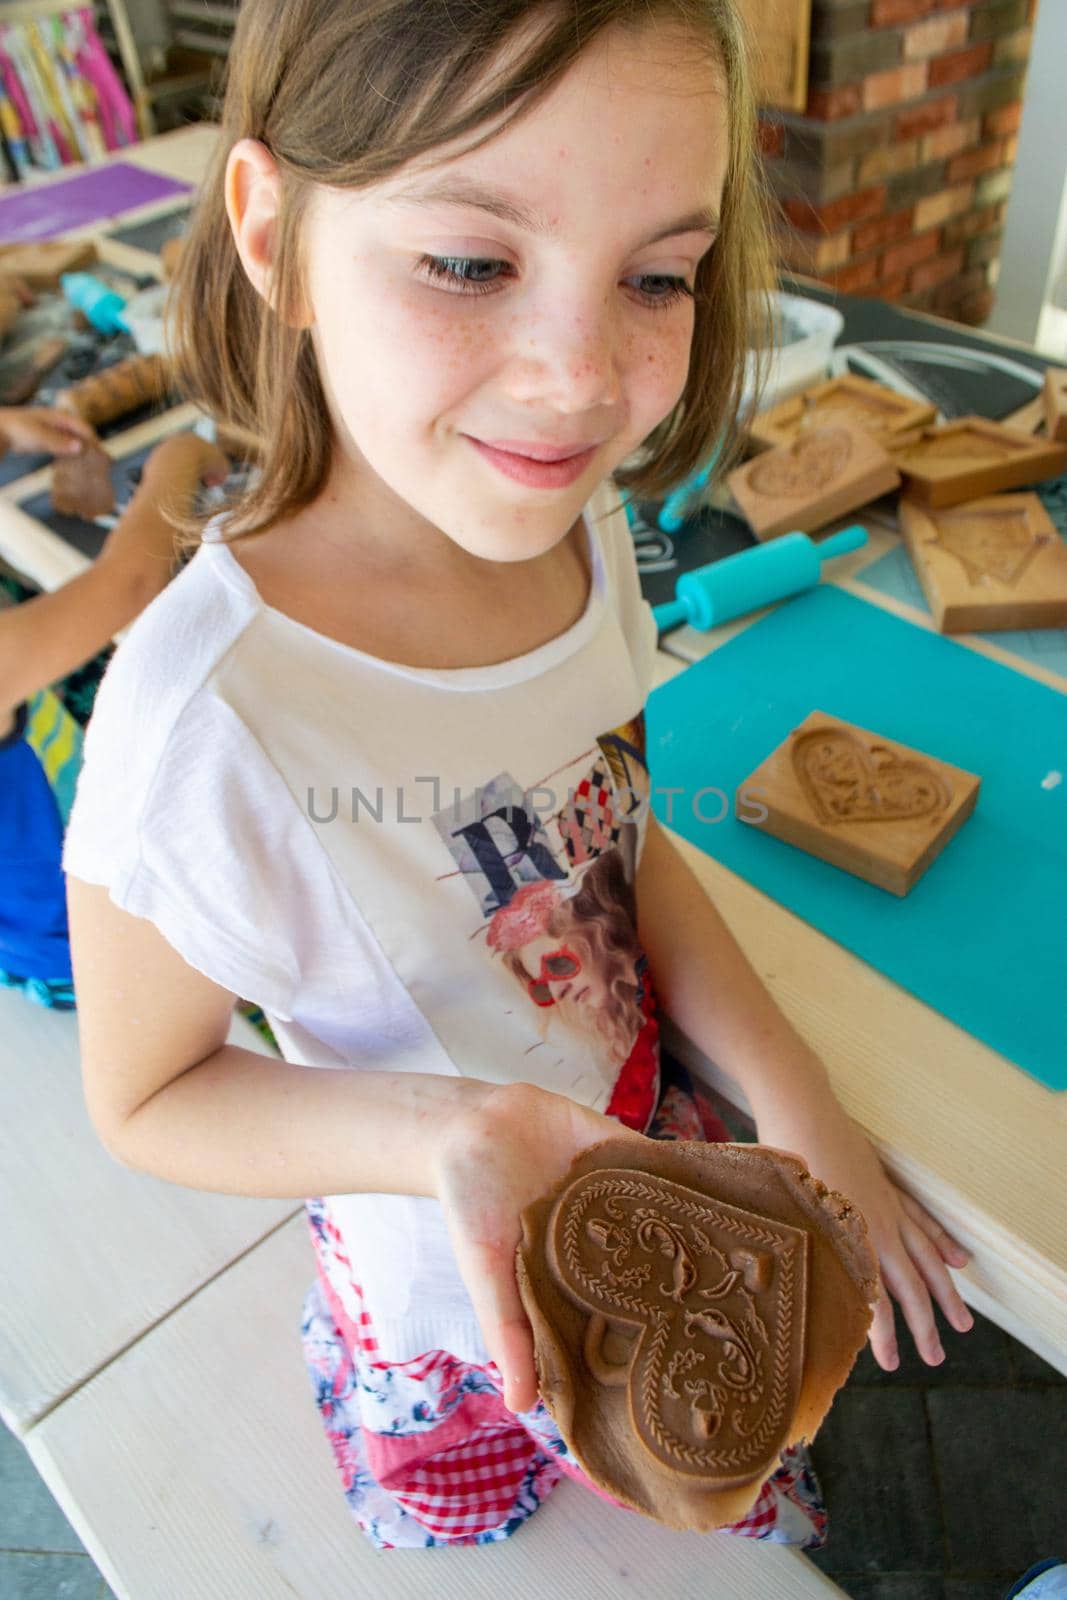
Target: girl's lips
point(534, 451)
point(535, 474)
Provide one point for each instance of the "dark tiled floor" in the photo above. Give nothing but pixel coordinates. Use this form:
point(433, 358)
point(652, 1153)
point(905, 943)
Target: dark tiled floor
point(945, 1483)
point(41, 1557)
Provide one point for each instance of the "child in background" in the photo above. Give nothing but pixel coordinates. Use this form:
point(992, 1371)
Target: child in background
point(45, 639)
point(456, 266)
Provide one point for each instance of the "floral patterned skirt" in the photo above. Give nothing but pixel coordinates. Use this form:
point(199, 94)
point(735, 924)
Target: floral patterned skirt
point(427, 1451)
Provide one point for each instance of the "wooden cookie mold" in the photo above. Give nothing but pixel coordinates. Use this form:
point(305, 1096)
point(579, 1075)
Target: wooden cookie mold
point(827, 471)
point(878, 410)
point(971, 457)
point(988, 564)
point(1055, 398)
point(866, 804)
point(41, 264)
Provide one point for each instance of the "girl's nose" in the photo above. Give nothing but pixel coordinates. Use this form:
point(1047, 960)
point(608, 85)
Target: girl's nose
point(569, 358)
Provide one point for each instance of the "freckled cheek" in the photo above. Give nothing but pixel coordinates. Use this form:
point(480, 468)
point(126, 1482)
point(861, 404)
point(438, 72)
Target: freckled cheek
point(658, 365)
point(445, 344)
point(432, 348)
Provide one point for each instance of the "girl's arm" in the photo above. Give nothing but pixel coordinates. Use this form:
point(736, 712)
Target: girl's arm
point(704, 982)
point(167, 1095)
point(46, 637)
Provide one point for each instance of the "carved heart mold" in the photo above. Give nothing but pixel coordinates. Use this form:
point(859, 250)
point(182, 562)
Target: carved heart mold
point(847, 780)
point(858, 801)
point(805, 467)
point(828, 469)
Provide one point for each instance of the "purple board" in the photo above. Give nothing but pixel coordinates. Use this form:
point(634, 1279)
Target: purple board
point(50, 209)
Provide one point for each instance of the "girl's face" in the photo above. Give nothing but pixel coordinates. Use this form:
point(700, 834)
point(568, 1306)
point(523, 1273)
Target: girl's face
point(557, 313)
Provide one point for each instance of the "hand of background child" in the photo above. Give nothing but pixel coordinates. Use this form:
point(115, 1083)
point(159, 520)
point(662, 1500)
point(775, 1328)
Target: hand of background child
point(17, 287)
point(494, 1158)
point(142, 542)
point(49, 635)
point(914, 1251)
point(38, 429)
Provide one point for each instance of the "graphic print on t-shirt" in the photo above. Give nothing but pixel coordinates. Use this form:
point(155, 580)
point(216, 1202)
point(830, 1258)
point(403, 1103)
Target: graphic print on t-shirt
point(558, 894)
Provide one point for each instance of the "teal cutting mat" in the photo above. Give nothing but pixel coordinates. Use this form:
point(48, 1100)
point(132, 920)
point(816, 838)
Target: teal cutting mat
point(982, 937)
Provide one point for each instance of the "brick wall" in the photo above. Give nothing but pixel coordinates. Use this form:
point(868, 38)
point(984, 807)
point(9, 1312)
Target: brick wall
point(895, 181)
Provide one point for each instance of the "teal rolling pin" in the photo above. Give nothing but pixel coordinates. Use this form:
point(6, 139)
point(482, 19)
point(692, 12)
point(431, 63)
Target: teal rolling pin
point(752, 578)
point(96, 300)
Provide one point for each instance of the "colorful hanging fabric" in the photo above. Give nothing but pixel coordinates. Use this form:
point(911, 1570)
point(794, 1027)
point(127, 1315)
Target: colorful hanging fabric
point(61, 100)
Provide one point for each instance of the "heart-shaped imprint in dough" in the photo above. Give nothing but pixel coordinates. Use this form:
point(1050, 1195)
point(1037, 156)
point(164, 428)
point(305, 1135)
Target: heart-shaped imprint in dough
point(803, 468)
point(698, 1307)
point(847, 781)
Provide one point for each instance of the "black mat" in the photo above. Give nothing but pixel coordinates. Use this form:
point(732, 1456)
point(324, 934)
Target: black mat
point(984, 386)
point(153, 234)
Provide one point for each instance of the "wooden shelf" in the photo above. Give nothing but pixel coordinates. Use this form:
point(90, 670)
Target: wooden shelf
point(200, 11)
point(34, 10)
point(213, 44)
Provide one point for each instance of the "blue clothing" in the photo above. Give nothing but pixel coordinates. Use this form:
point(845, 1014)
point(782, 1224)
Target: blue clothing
point(39, 763)
point(1046, 1580)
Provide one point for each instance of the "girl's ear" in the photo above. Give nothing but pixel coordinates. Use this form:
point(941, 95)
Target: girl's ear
point(253, 194)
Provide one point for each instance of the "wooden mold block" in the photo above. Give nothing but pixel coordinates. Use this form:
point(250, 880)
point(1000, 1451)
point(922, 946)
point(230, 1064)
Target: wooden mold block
point(41, 264)
point(826, 472)
point(1055, 397)
point(988, 564)
point(879, 410)
point(962, 460)
point(169, 255)
point(863, 803)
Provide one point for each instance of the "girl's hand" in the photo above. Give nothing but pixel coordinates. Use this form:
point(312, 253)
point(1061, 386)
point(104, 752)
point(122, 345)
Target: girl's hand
point(36, 429)
point(914, 1251)
point(495, 1156)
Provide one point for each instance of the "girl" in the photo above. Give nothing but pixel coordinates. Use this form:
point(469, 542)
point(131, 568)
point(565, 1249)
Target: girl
point(454, 267)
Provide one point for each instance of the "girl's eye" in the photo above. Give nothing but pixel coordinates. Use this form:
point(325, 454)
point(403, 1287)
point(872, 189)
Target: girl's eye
point(469, 271)
point(459, 269)
point(675, 289)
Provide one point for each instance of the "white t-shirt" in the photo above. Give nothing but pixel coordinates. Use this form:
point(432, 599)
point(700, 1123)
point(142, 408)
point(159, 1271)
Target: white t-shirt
point(408, 869)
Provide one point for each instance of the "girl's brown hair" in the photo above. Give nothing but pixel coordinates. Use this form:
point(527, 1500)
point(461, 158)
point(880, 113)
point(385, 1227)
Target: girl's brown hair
point(345, 92)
